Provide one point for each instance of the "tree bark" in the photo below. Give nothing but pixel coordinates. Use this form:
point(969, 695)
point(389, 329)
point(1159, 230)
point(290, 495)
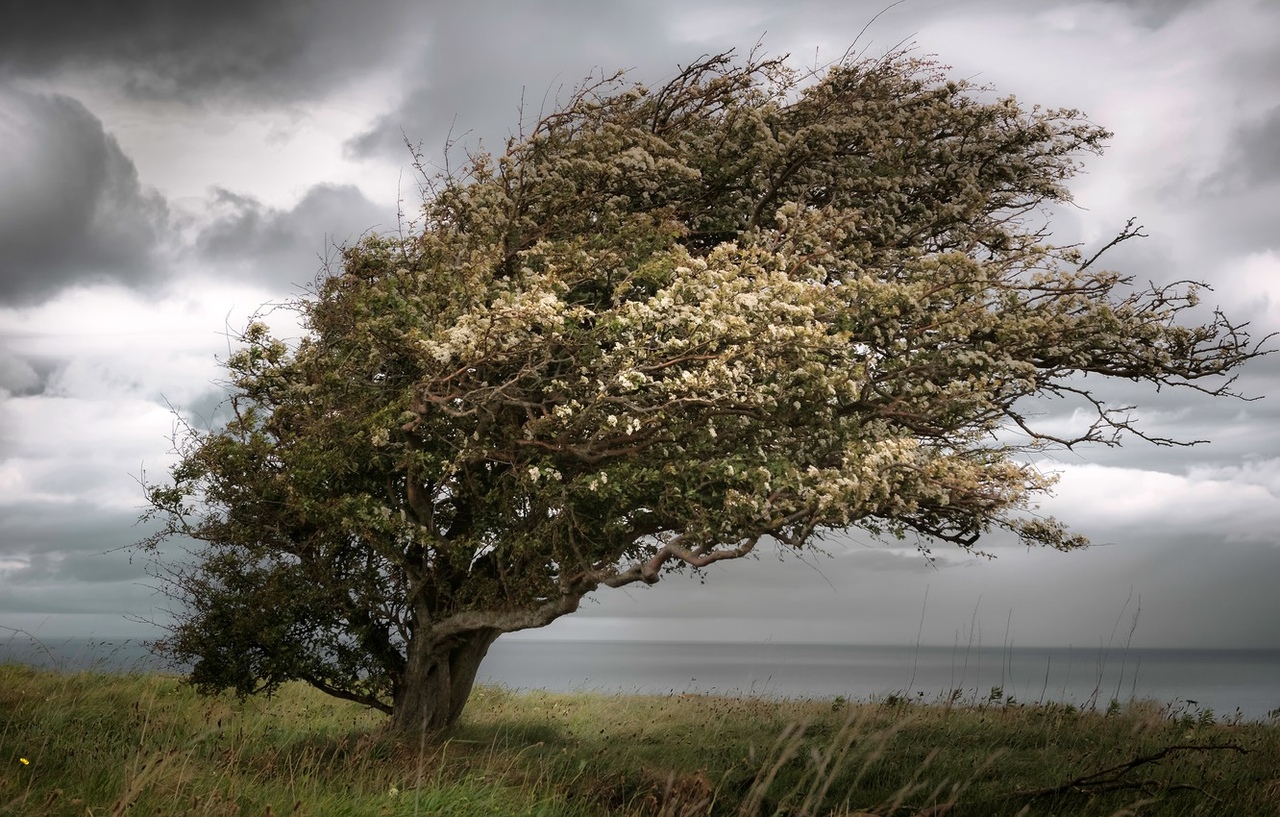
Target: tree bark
point(438, 681)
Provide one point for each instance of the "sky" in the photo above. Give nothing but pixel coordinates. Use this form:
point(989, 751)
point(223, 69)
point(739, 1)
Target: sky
point(169, 168)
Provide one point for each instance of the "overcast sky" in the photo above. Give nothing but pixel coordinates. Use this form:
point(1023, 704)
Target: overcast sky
point(166, 168)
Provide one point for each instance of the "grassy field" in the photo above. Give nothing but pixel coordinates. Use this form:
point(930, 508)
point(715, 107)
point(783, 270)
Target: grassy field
point(98, 744)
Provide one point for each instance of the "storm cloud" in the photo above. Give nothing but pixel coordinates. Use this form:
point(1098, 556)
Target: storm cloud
point(194, 52)
point(286, 249)
point(72, 208)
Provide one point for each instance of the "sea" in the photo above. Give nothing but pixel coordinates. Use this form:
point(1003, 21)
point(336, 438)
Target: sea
point(1228, 685)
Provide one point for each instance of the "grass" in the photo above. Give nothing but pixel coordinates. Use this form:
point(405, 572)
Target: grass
point(101, 745)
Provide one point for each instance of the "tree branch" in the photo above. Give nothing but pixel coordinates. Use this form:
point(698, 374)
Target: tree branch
point(1124, 235)
point(1111, 778)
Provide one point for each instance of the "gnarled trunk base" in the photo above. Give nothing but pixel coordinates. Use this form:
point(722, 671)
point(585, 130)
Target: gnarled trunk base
point(437, 683)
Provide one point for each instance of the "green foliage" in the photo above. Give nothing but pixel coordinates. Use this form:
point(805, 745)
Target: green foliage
point(661, 327)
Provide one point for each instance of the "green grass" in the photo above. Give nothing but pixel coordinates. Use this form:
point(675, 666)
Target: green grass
point(100, 744)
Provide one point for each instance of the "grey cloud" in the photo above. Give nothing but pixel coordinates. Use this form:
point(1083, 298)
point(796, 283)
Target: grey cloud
point(60, 530)
point(187, 49)
point(1255, 68)
point(1235, 428)
point(18, 376)
point(1192, 590)
point(1243, 223)
point(57, 580)
point(474, 78)
point(86, 568)
point(882, 559)
point(26, 374)
point(287, 247)
point(208, 410)
point(783, 584)
point(472, 73)
point(108, 600)
point(1254, 158)
point(1232, 428)
point(1157, 13)
point(71, 206)
point(1228, 601)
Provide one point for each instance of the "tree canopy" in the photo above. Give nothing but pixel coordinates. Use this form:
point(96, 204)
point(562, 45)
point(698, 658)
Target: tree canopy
point(755, 304)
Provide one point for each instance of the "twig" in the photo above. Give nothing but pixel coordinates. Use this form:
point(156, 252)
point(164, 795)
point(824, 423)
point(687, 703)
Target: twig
point(1111, 779)
point(1127, 233)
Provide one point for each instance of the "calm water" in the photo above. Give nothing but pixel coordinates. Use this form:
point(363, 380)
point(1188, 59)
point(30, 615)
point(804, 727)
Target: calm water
point(1246, 682)
point(1226, 681)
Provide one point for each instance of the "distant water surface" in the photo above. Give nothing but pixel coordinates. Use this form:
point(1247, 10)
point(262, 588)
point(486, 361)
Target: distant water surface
point(1232, 683)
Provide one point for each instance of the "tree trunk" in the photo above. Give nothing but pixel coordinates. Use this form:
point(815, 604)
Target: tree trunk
point(438, 681)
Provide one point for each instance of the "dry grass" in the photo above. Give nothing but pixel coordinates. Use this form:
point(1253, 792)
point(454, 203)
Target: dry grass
point(146, 744)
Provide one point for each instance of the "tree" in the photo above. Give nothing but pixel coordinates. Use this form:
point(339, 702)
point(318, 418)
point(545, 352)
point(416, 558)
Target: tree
point(755, 304)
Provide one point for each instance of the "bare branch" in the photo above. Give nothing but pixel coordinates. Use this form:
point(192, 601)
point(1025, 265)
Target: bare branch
point(1128, 232)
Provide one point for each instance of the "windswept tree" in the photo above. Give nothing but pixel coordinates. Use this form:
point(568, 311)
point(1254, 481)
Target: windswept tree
point(753, 305)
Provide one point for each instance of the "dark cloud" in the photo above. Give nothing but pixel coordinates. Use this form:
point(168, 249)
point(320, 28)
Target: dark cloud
point(1227, 599)
point(1259, 147)
point(1244, 222)
point(71, 206)
point(1254, 157)
point(188, 49)
point(91, 568)
point(61, 540)
point(287, 247)
point(56, 598)
point(471, 75)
